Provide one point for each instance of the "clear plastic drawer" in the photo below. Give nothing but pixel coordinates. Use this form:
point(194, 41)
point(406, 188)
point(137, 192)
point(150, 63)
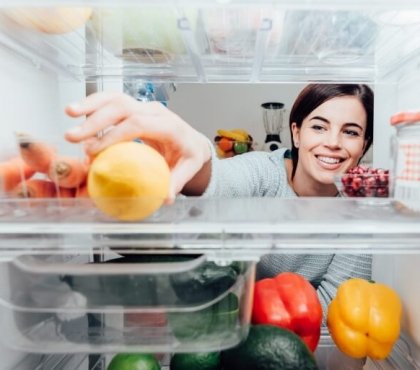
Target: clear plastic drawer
point(146, 303)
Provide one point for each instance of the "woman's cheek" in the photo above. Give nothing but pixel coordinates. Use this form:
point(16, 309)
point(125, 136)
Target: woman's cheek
point(356, 152)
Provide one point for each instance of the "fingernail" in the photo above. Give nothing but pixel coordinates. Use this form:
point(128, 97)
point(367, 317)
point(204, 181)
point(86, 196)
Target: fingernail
point(74, 106)
point(170, 198)
point(169, 201)
point(76, 130)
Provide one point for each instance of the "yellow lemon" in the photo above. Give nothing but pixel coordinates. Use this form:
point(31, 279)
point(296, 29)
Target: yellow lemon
point(128, 181)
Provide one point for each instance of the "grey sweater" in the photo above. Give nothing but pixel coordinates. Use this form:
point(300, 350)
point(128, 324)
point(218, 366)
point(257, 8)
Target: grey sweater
point(263, 174)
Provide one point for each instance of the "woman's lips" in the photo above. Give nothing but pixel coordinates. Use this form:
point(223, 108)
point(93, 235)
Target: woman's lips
point(329, 163)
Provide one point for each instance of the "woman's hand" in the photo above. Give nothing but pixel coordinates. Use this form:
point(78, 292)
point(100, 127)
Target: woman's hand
point(122, 118)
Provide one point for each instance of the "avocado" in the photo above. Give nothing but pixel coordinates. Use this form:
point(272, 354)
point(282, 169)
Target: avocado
point(196, 361)
point(269, 347)
point(215, 321)
point(204, 283)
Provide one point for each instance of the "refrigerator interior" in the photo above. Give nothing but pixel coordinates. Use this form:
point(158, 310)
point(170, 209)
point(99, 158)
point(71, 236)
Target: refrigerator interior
point(200, 46)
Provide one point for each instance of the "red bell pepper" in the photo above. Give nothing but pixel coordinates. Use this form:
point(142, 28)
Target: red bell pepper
point(291, 302)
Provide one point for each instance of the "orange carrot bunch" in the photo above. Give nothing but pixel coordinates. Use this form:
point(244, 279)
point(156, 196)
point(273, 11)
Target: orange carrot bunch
point(12, 172)
point(67, 172)
point(66, 175)
point(82, 192)
point(36, 154)
point(35, 188)
point(66, 192)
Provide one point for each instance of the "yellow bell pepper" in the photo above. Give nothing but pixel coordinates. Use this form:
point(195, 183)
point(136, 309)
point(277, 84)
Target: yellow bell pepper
point(364, 319)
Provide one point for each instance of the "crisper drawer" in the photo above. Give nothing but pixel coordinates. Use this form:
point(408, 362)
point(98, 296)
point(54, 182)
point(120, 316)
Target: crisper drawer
point(146, 303)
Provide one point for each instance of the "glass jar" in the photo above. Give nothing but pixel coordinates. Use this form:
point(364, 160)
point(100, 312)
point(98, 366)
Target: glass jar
point(405, 179)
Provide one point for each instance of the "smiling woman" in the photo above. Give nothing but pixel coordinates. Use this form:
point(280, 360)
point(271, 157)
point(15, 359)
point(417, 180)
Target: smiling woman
point(331, 127)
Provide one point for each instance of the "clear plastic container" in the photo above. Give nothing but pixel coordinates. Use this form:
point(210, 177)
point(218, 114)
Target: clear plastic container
point(406, 159)
point(233, 31)
point(142, 35)
point(139, 303)
point(366, 185)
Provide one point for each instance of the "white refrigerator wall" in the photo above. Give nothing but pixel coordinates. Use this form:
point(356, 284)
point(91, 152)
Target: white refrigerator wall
point(33, 101)
point(28, 99)
point(29, 102)
point(400, 271)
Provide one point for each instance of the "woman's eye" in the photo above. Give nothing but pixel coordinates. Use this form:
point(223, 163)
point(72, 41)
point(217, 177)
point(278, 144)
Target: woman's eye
point(317, 127)
point(352, 132)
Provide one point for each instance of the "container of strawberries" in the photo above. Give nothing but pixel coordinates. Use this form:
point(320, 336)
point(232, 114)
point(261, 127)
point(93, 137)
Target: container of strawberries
point(364, 181)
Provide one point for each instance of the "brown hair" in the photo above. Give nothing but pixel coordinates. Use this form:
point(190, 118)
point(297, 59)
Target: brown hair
point(314, 95)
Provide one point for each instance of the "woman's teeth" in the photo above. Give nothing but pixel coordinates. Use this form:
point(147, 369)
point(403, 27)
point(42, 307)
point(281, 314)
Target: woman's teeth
point(329, 160)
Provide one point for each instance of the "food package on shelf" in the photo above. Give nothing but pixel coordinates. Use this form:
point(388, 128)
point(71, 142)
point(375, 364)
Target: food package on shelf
point(233, 31)
point(145, 35)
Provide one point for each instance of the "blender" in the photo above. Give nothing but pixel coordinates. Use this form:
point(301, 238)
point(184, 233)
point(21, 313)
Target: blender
point(273, 115)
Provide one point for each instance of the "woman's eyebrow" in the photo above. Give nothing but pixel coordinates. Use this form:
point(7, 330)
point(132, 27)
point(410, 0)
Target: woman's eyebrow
point(323, 119)
point(352, 124)
point(319, 118)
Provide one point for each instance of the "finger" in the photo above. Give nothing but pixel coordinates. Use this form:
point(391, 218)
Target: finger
point(117, 110)
point(145, 127)
point(125, 131)
point(90, 103)
point(89, 143)
point(95, 101)
point(183, 172)
point(170, 199)
point(108, 115)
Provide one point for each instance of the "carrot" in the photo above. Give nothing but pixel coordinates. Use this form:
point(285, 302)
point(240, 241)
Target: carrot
point(67, 172)
point(36, 154)
point(35, 188)
point(12, 172)
point(82, 192)
point(66, 192)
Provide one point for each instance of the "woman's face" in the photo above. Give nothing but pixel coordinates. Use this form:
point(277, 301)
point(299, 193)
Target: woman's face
point(331, 139)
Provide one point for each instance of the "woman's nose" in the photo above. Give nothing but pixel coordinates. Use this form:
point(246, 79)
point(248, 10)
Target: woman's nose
point(333, 140)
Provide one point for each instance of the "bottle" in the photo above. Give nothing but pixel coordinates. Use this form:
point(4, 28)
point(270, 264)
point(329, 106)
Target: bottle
point(405, 179)
point(146, 92)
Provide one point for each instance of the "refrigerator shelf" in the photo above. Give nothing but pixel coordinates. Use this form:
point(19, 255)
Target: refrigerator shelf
point(243, 41)
point(218, 228)
point(304, 4)
point(327, 355)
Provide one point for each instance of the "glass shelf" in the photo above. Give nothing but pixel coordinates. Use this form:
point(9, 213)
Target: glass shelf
point(205, 41)
point(218, 227)
point(327, 356)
